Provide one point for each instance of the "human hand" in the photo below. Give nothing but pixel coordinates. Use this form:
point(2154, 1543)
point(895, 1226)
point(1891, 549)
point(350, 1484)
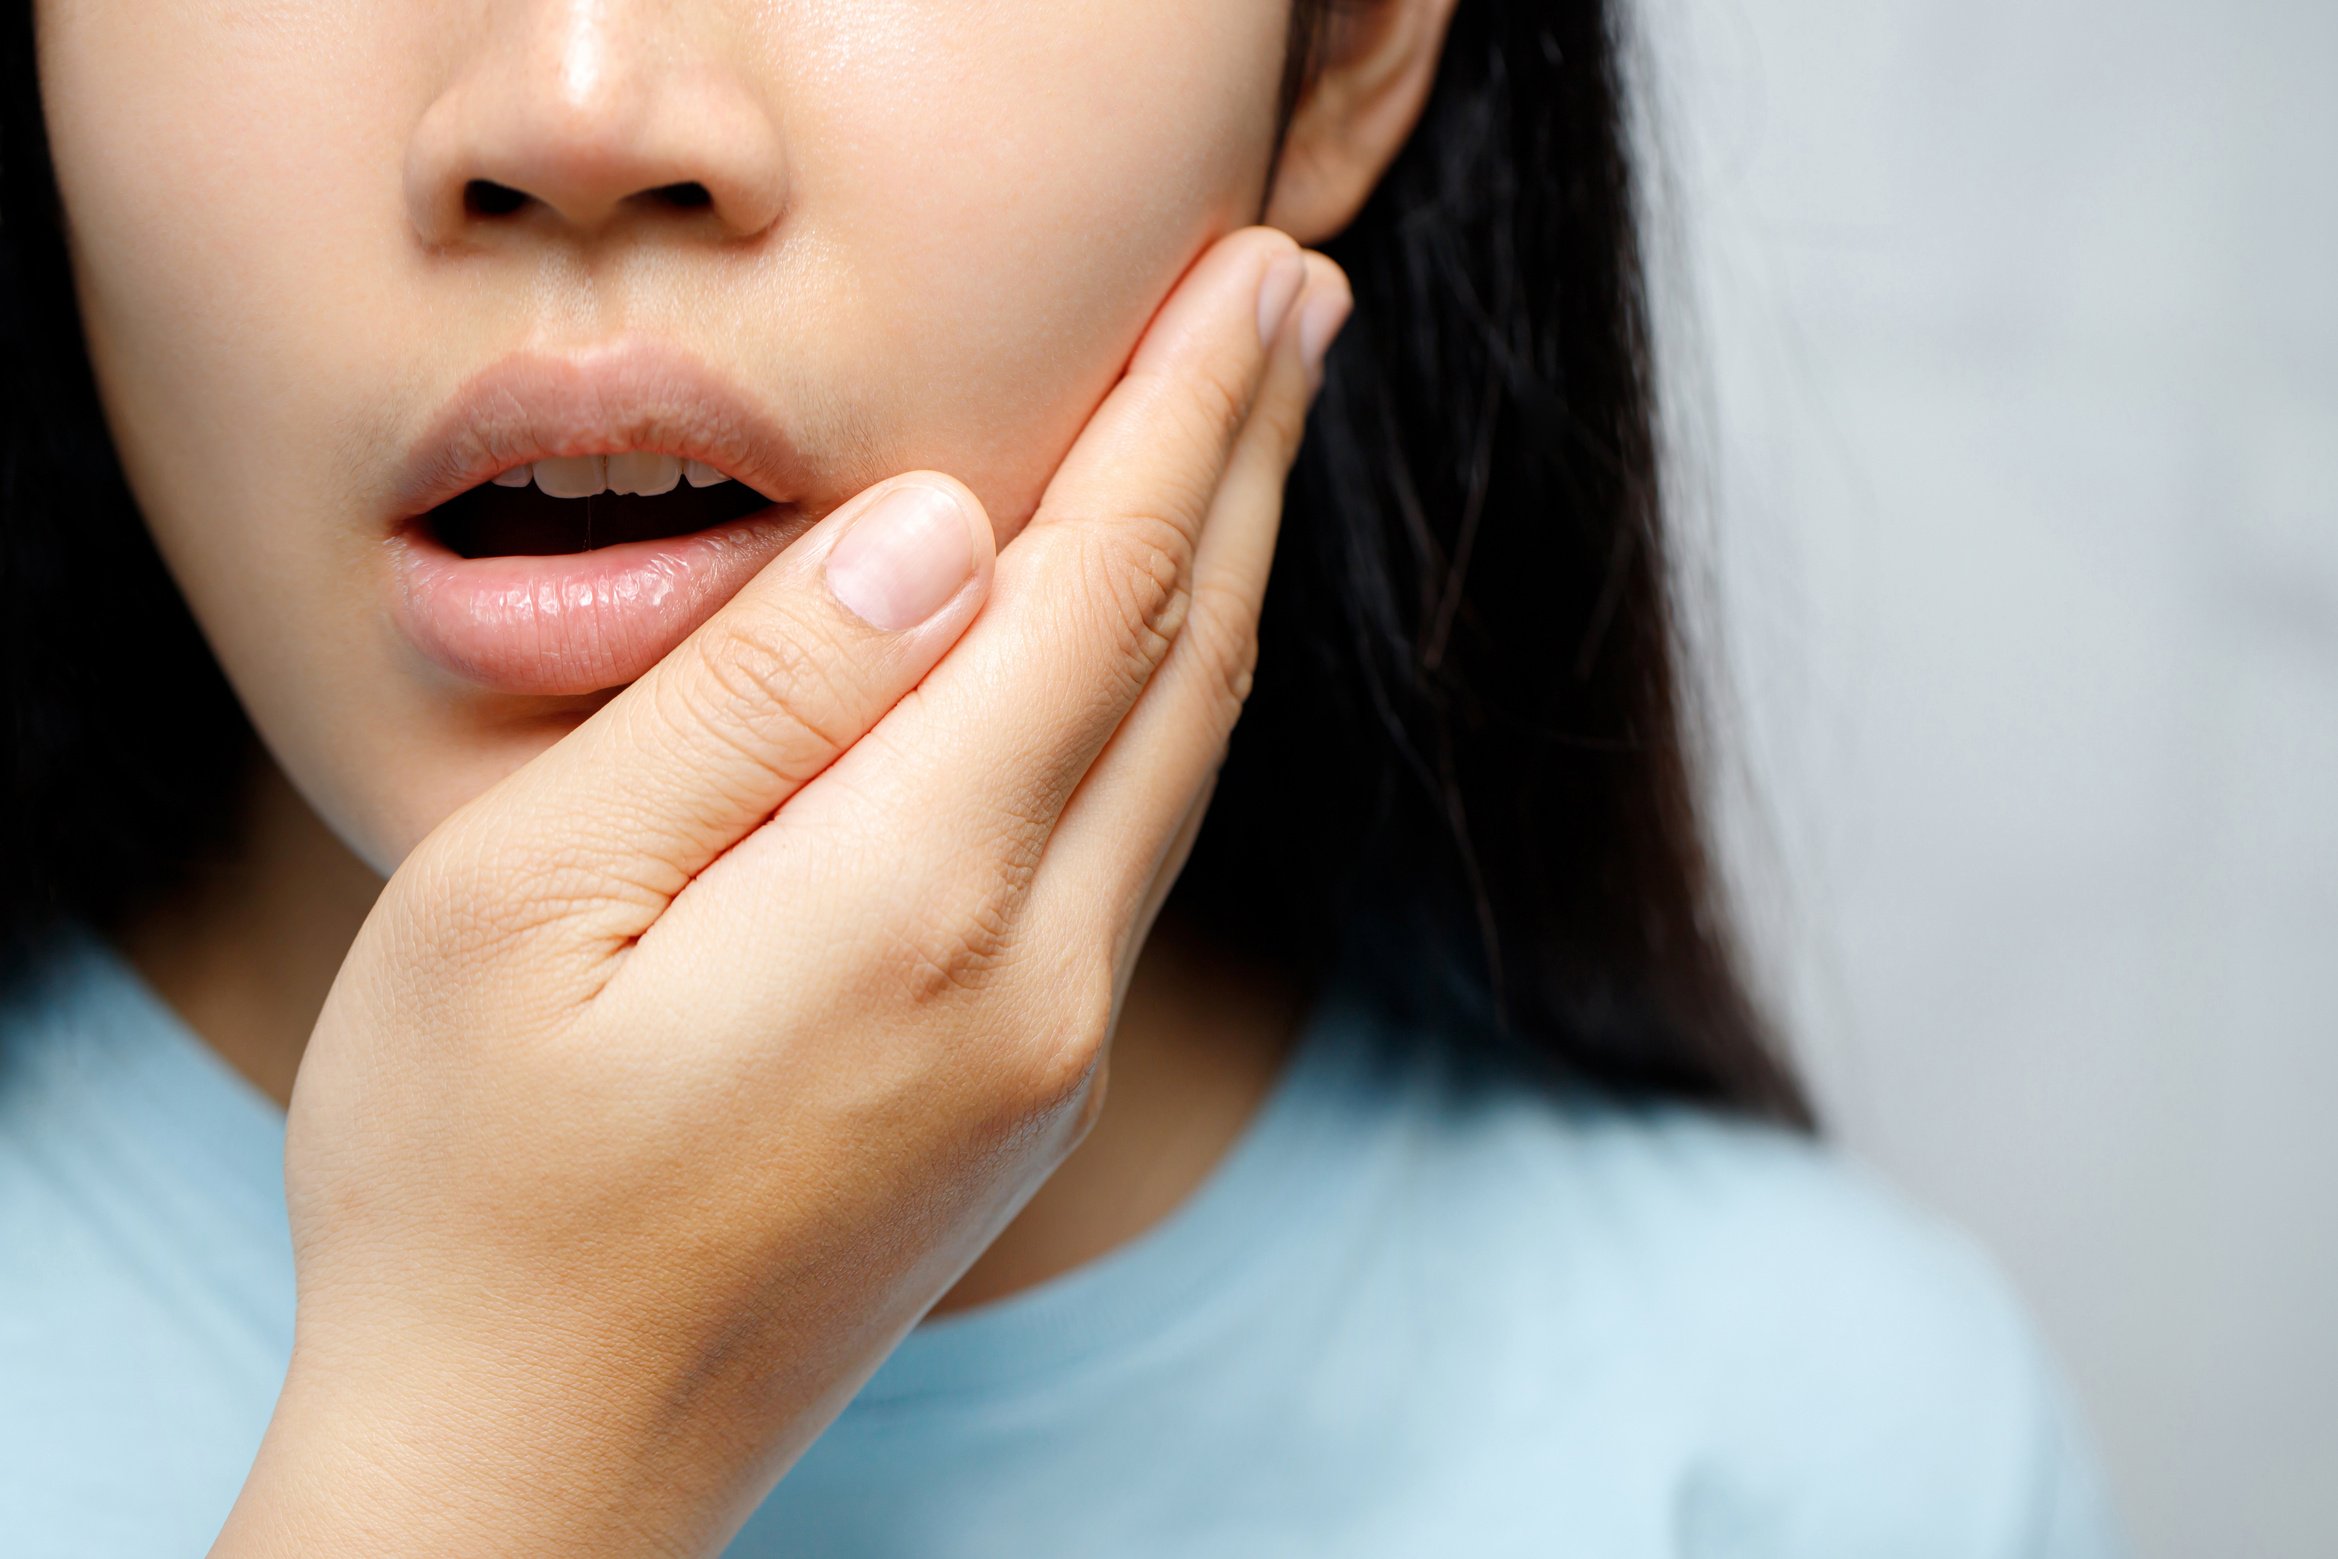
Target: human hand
point(672, 1079)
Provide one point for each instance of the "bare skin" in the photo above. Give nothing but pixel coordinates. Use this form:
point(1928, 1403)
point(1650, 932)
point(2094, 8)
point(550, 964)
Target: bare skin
point(668, 1082)
point(245, 958)
point(666, 1030)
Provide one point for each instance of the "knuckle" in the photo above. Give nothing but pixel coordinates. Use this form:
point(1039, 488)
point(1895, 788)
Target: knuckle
point(1133, 575)
point(1223, 634)
point(1202, 429)
point(692, 718)
point(472, 902)
point(1282, 419)
point(763, 690)
point(931, 963)
point(961, 938)
point(1212, 402)
point(1066, 1073)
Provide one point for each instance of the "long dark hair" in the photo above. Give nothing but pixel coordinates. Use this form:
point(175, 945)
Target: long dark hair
point(1467, 741)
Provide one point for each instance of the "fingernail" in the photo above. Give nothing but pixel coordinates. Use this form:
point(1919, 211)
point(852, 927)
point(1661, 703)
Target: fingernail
point(1277, 289)
point(903, 558)
point(1319, 322)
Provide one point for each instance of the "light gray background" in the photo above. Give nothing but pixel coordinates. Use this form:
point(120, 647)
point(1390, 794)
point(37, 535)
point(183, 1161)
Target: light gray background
point(2017, 446)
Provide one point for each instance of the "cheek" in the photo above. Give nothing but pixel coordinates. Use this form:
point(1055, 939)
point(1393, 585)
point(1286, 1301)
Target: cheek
point(230, 198)
point(1017, 192)
point(225, 191)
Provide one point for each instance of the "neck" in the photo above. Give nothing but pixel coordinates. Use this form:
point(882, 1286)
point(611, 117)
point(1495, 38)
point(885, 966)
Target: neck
point(246, 955)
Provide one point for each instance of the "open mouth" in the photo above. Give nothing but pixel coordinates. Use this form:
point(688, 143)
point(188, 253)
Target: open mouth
point(578, 503)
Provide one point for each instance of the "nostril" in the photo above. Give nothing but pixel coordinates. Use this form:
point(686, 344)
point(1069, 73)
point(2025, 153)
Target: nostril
point(486, 198)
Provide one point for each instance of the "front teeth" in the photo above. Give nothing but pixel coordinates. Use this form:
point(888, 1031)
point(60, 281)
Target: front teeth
point(648, 475)
point(581, 476)
point(572, 476)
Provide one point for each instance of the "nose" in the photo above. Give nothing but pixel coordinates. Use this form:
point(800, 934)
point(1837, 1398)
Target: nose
point(588, 112)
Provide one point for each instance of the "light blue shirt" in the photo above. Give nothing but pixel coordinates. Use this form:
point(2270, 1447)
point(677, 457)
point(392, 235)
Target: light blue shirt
point(1417, 1310)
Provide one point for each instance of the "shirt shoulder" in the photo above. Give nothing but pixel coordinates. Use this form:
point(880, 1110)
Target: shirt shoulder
point(1831, 1367)
point(146, 1289)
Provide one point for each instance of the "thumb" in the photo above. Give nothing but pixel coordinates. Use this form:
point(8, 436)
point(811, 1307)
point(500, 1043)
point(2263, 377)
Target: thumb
point(593, 838)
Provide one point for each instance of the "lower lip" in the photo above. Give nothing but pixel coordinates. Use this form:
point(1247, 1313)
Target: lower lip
point(570, 623)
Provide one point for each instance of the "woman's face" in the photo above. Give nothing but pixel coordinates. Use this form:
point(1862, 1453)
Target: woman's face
point(932, 232)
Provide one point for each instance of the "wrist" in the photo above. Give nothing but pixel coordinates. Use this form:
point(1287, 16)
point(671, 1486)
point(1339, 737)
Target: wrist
point(426, 1455)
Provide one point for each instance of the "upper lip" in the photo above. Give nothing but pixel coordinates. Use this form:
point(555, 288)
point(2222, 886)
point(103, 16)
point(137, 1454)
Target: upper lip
point(634, 393)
